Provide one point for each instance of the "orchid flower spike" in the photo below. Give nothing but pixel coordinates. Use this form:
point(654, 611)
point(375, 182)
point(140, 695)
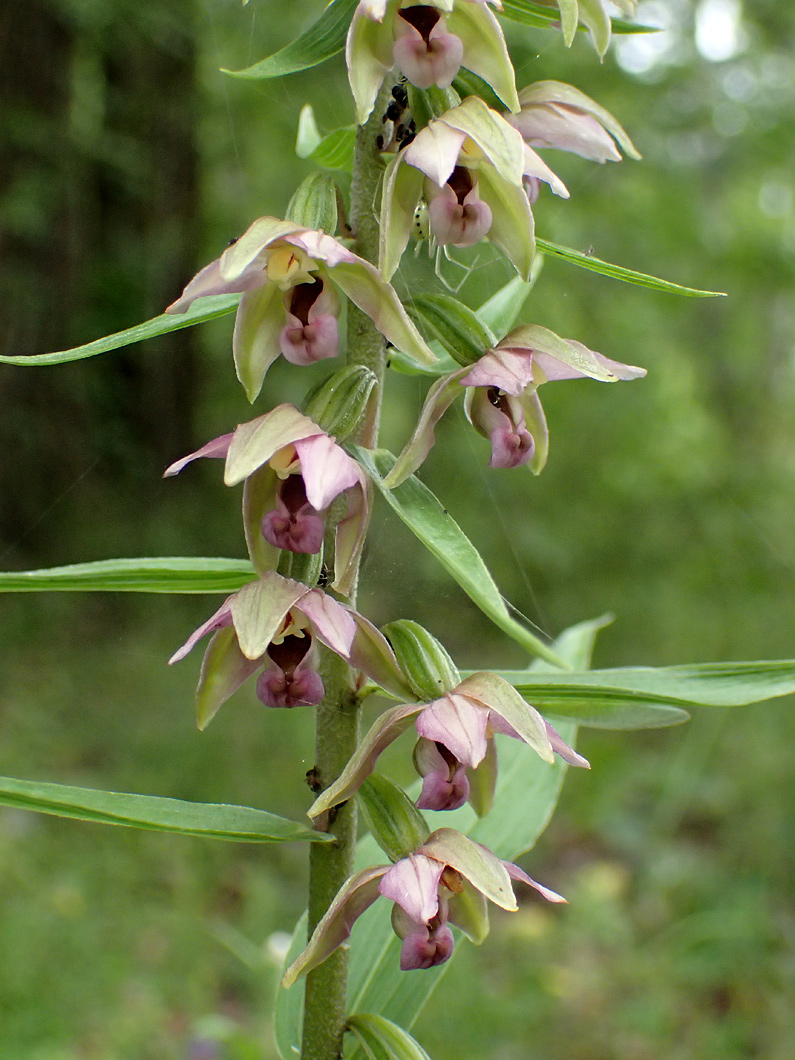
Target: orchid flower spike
point(272, 625)
point(428, 43)
point(557, 115)
point(501, 399)
point(292, 472)
point(455, 754)
point(289, 277)
point(445, 881)
point(470, 166)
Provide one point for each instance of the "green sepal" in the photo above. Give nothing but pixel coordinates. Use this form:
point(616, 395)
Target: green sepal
point(314, 203)
point(339, 402)
point(461, 333)
point(427, 667)
point(469, 911)
point(483, 781)
point(395, 822)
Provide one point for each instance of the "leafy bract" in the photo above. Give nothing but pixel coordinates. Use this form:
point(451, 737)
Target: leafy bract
point(202, 310)
point(168, 574)
point(216, 821)
point(324, 39)
point(421, 511)
point(383, 1040)
point(617, 272)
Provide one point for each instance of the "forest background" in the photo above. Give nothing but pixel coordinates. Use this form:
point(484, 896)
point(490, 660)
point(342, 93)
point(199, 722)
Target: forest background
point(127, 161)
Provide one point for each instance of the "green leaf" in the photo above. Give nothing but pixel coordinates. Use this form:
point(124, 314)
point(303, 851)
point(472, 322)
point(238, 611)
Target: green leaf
point(169, 574)
point(587, 261)
point(321, 41)
point(383, 1040)
point(643, 697)
point(335, 150)
point(242, 823)
point(202, 310)
point(440, 533)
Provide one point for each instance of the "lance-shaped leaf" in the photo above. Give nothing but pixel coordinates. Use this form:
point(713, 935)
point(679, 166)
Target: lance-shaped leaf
point(383, 1040)
point(641, 697)
point(202, 310)
point(617, 272)
point(242, 823)
point(320, 42)
point(420, 510)
point(166, 574)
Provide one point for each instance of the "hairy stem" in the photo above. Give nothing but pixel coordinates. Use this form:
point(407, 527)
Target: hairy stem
point(330, 864)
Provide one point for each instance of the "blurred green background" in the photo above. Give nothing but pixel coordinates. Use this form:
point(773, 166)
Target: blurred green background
point(128, 160)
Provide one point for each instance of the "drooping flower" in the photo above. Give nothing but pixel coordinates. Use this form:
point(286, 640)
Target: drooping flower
point(557, 115)
point(456, 738)
point(501, 399)
point(289, 276)
point(272, 625)
point(447, 880)
point(292, 472)
point(469, 165)
point(428, 42)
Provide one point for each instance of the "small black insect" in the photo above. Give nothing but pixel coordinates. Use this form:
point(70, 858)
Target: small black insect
point(313, 780)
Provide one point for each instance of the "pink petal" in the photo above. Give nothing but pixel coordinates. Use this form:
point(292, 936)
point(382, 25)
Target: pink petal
point(519, 874)
point(413, 883)
point(510, 370)
point(217, 448)
point(435, 62)
point(221, 618)
point(560, 747)
point(458, 724)
point(332, 623)
point(326, 468)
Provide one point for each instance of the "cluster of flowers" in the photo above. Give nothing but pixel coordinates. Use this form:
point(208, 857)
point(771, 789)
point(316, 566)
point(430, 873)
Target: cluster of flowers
point(478, 174)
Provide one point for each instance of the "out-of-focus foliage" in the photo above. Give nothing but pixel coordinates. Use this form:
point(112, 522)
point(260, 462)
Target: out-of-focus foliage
point(130, 160)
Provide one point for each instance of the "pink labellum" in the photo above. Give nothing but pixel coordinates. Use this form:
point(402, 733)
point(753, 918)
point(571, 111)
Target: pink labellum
point(425, 52)
point(460, 222)
point(294, 524)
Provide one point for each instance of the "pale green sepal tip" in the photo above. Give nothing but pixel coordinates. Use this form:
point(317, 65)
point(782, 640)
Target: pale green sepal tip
point(475, 862)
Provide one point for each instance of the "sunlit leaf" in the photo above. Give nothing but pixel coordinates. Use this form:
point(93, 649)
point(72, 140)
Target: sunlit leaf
point(202, 310)
point(440, 533)
point(617, 272)
point(168, 574)
point(242, 823)
point(324, 39)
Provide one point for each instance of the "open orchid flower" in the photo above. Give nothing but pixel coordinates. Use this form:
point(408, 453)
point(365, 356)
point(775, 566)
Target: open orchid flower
point(500, 397)
point(456, 738)
point(428, 42)
point(557, 115)
point(289, 277)
point(470, 166)
point(292, 471)
point(447, 880)
point(271, 626)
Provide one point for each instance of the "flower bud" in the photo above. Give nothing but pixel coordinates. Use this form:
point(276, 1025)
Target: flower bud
point(426, 665)
point(338, 404)
point(314, 203)
point(426, 104)
point(397, 825)
point(452, 324)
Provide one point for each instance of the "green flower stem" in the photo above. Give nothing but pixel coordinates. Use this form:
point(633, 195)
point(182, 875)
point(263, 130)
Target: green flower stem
point(330, 864)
